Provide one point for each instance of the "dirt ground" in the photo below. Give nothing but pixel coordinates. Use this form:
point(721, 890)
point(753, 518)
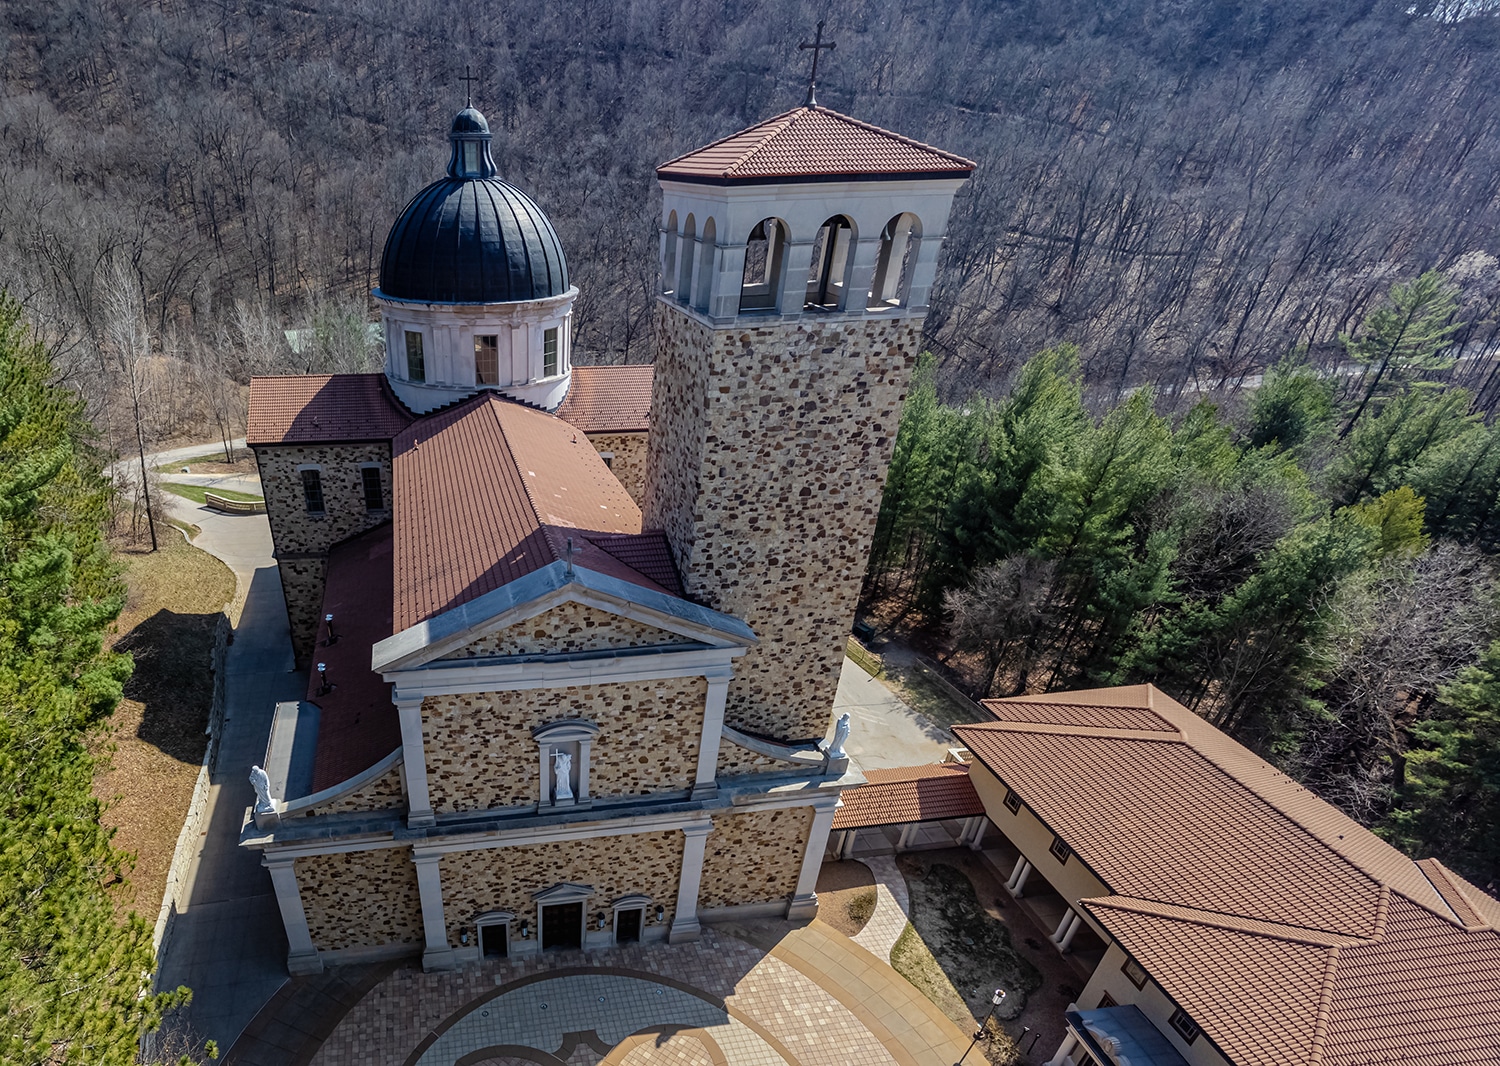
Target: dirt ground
point(212, 462)
point(846, 895)
point(157, 733)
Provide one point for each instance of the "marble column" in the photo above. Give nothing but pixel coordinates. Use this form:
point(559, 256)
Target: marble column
point(302, 957)
point(685, 921)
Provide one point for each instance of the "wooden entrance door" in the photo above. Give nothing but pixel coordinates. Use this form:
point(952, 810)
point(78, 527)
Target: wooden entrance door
point(562, 925)
point(628, 926)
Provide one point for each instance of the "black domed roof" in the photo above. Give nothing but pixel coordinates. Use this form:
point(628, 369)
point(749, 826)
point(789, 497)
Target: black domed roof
point(470, 237)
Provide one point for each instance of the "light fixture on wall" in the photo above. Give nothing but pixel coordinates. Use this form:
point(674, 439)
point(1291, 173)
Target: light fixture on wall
point(661, 914)
point(600, 918)
point(463, 938)
point(525, 929)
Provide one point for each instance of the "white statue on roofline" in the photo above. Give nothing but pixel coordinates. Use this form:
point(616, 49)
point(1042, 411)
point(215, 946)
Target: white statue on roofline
point(261, 782)
point(562, 776)
point(840, 734)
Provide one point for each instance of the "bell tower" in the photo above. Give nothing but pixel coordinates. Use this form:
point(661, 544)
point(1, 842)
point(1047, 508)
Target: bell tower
point(796, 261)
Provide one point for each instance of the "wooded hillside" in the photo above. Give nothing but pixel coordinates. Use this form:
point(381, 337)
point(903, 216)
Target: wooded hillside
point(1184, 191)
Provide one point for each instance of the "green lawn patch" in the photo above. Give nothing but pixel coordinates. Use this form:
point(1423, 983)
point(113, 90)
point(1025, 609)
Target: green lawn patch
point(196, 493)
point(177, 464)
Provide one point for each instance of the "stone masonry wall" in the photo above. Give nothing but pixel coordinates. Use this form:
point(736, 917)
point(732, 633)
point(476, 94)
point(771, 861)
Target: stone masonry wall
point(768, 453)
point(505, 878)
point(297, 535)
point(361, 898)
point(384, 793)
point(629, 462)
point(570, 627)
point(481, 755)
point(754, 857)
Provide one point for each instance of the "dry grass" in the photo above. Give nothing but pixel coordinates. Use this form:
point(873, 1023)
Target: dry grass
point(176, 596)
point(868, 661)
point(846, 895)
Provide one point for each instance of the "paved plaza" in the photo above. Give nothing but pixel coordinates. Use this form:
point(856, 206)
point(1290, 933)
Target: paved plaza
point(763, 994)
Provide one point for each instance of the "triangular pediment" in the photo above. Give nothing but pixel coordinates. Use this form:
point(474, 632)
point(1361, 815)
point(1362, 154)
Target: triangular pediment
point(559, 611)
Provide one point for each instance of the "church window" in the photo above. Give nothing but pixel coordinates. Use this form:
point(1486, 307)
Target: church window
point(549, 352)
point(1185, 1026)
point(487, 359)
point(312, 490)
point(1135, 971)
point(416, 364)
point(765, 254)
point(1012, 801)
point(830, 264)
point(1059, 850)
point(899, 242)
point(369, 477)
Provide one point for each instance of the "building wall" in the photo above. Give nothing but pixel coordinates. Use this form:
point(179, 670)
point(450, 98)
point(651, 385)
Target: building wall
point(386, 792)
point(627, 453)
point(767, 457)
point(302, 540)
point(754, 857)
point(361, 898)
point(1073, 880)
point(506, 878)
point(1150, 1000)
point(571, 627)
point(481, 755)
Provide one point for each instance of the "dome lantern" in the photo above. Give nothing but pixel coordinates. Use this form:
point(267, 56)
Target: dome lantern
point(470, 137)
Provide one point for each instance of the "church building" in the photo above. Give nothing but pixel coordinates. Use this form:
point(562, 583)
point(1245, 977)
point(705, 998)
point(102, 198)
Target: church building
point(573, 633)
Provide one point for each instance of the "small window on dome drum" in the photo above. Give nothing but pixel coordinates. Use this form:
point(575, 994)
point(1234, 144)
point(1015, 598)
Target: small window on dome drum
point(487, 360)
point(416, 365)
point(549, 353)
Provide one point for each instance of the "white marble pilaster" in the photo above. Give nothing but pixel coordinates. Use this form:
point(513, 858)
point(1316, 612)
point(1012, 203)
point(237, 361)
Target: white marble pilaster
point(685, 921)
point(805, 902)
point(414, 763)
point(436, 954)
point(704, 782)
point(302, 957)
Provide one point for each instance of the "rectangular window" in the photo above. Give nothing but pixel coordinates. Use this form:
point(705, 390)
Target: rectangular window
point(416, 365)
point(370, 481)
point(1059, 850)
point(549, 352)
point(1012, 801)
point(1185, 1026)
point(487, 360)
point(312, 491)
point(1107, 1000)
point(1135, 971)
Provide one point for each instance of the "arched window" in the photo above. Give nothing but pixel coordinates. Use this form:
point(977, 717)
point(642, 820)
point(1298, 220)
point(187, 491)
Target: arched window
point(702, 290)
point(669, 254)
point(765, 258)
point(827, 280)
point(899, 243)
point(685, 261)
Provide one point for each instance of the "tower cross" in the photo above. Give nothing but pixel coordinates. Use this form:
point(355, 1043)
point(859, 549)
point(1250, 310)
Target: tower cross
point(818, 47)
point(468, 81)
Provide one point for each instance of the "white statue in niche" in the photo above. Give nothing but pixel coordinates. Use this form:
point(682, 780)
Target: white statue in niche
point(562, 776)
point(840, 734)
point(261, 782)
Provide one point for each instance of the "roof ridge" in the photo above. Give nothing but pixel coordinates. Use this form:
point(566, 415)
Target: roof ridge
point(531, 501)
point(783, 127)
point(1430, 866)
point(1161, 736)
point(728, 137)
point(912, 141)
point(1235, 923)
point(1324, 1016)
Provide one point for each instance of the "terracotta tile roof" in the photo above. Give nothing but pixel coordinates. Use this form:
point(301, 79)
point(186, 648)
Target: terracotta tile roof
point(1285, 930)
point(812, 142)
point(609, 399)
point(358, 725)
point(323, 407)
point(490, 490)
point(647, 553)
point(929, 793)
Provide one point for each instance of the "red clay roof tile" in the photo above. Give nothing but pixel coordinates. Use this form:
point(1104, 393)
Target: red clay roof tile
point(609, 399)
point(812, 142)
point(930, 793)
point(323, 407)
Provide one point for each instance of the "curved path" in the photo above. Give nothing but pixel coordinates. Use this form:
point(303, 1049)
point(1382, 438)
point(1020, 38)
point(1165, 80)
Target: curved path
point(892, 908)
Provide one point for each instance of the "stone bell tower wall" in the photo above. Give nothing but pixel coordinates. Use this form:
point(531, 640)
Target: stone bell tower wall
point(769, 446)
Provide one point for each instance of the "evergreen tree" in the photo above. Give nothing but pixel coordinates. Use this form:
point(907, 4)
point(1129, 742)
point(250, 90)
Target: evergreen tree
point(1403, 338)
point(73, 977)
point(1292, 410)
point(1460, 480)
point(1384, 449)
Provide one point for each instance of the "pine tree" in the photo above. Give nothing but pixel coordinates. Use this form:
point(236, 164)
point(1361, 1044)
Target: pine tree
point(73, 977)
point(1402, 338)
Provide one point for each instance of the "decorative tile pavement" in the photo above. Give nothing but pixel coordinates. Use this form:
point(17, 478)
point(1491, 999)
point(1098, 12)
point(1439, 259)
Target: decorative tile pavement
point(892, 908)
point(806, 996)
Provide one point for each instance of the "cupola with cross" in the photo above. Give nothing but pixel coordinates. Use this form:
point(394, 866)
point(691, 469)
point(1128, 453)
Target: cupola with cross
point(474, 290)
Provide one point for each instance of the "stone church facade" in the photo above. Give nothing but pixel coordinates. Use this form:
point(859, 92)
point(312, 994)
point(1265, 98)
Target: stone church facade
point(574, 633)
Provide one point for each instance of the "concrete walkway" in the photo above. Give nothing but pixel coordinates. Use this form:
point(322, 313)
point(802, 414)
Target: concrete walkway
point(227, 943)
point(892, 908)
point(884, 730)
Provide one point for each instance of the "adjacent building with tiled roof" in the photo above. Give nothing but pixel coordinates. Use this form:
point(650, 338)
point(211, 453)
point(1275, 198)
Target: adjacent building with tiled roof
point(572, 634)
point(1245, 919)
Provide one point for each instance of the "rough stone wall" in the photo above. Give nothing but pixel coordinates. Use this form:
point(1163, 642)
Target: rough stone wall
point(768, 454)
point(384, 793)
point(301, 540)
point(481, 754)
point(754, 857)
point(302, 587)
point(505, 878)
point(570, 627)
point(628, 462)
point(734, 759)
point(361, 898)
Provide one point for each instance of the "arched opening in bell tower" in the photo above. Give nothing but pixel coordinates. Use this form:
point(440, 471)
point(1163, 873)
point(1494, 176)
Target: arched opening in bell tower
point(899, 243)
point(702, 288)
point(827, 280)
point(765, 261)
point(689, 242)
point(669, 254)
